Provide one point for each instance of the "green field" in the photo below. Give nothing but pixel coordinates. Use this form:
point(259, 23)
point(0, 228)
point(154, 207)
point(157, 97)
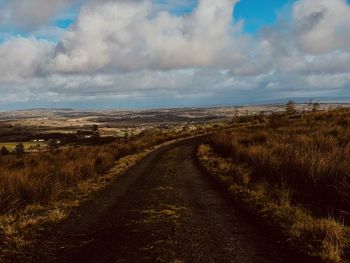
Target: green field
point(11, 145)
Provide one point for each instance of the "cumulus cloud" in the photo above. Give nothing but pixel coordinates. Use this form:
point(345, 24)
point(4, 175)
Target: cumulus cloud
point(143, 50)
point(23, 58)
point(131, 36)
point(322, 25)
point(30, 13)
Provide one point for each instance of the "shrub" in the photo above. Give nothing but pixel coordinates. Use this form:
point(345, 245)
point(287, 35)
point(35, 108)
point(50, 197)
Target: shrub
point(4, 151)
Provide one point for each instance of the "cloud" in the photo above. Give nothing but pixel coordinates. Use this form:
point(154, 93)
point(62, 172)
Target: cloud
point(30, 14)
point(23, 58)
point(134, 35)
point(322, 25)
point(142, 52)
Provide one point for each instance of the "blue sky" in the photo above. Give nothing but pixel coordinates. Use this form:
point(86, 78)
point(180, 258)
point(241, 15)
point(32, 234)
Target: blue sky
point(255, 13)
point(258, 14)
point(132, 54)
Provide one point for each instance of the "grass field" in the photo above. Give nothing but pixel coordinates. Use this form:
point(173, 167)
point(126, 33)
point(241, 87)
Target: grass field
point(11, 145)
point(292, 170)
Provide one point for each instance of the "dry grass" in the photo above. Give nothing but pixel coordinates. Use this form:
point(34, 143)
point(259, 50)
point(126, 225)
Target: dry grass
point(40, 189)
point(320, 238)
point(286, 163)
point(41, 178)
point(308, 154)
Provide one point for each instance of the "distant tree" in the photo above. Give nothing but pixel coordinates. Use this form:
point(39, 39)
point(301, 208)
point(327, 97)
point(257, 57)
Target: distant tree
point(126, 135)
point(235, 115)
point(4, 151)
point(314, 106)
point(290, 108)
point(261, 116)
point(95, 132)
point(52, 143)
point(310, 104)
point(19, 149)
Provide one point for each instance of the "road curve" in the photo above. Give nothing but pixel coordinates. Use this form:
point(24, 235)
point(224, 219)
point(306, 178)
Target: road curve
point(162, 210)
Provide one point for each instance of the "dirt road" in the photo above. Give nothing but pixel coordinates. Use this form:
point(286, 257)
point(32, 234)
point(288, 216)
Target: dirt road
point(163, 210)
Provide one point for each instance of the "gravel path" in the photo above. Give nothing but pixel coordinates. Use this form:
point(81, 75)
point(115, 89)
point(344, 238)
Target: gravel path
point(162, 210)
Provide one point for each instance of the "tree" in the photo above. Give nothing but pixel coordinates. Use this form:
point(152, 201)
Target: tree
point(290, 108)
point(4, 151)
point(95, 132)
point(94, 128)
point(126, 136)
point(314, 106)
point(261, 116)
point(52, 143)
point(19, 149)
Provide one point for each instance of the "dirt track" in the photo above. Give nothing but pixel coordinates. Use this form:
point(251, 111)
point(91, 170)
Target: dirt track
point(164, 209)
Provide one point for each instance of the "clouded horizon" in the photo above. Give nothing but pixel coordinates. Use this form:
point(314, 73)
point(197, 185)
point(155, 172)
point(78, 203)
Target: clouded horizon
point(166, 53)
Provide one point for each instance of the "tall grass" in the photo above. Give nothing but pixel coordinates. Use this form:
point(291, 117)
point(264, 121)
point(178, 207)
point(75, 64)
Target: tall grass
point(308, 154)
point(39, 178)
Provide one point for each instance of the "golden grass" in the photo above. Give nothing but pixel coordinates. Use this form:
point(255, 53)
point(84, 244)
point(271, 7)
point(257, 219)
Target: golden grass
point(40, 178)
point(321, 238)
point(309, 154)
point(283, 163)
point(40, 189)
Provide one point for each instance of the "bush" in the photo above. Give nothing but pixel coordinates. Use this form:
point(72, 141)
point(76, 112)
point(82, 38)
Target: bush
point(19, 149)
point(4, 151)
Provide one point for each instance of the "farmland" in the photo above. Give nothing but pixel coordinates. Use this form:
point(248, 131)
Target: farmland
point(11, 145)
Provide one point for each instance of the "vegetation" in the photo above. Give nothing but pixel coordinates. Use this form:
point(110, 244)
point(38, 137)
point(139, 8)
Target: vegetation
point(40, 189)
point(290, 108)
point(19, 149)
point(10, 146)
point(293, 170)
point(39, 178)
point(4, 151)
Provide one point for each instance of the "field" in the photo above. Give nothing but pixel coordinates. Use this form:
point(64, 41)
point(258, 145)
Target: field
point(42, 187)
point(11, 145)
point(293, 171)
point(290, 170)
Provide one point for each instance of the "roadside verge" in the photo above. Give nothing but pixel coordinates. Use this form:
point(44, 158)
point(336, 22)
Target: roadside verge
point(318, 239)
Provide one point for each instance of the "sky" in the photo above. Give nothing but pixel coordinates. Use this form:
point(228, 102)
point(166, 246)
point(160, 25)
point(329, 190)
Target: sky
point(133, 54)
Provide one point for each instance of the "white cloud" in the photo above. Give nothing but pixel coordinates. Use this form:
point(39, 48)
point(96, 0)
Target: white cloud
point(30, 13)
point(134, 51)
point(131, 36)
point(23, 58)
point(322, 25)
